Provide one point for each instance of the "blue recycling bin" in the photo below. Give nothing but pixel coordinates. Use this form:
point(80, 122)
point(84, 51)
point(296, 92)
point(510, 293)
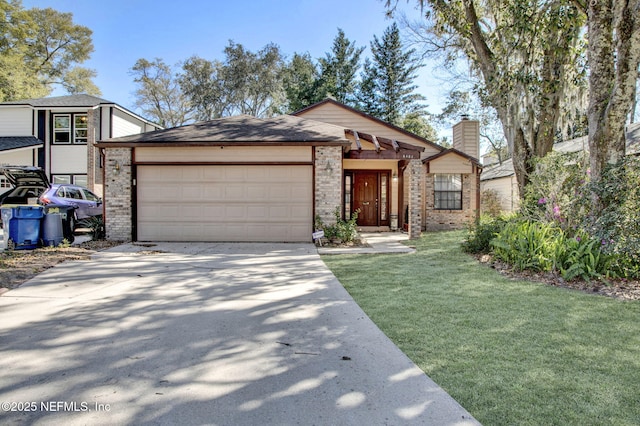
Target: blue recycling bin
point(22, 226)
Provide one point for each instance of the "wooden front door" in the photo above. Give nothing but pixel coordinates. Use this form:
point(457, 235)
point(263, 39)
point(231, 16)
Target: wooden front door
point(370, 195)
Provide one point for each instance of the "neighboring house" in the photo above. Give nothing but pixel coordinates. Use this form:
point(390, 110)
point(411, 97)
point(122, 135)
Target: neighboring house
point(248, 179)
point(17, 150)
point(501, 178)
point(66, 128)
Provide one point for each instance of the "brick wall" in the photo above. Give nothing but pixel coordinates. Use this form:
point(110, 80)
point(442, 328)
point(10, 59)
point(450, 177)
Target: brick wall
point(438, 220)
point(415, 171)
point(118, 194)
point(328, 182)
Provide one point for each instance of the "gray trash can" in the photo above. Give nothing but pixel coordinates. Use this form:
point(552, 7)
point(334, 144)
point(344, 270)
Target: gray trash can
point(52, 233)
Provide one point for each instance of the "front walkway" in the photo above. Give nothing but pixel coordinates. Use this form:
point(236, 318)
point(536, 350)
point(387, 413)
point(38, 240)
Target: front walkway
point(378, 243)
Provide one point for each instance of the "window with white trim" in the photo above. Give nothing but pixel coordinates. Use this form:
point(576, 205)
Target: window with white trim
point(4, 182)
point(448, 192)
point(70, 128)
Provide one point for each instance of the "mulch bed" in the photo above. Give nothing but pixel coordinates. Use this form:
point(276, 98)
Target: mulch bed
point(19, 266)
point(619, 288)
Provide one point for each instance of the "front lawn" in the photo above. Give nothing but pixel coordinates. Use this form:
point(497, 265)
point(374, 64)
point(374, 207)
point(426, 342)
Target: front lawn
point(510, 352)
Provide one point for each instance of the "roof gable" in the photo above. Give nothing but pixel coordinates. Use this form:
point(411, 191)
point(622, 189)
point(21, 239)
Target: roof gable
point(453, 151)
point(332, 111)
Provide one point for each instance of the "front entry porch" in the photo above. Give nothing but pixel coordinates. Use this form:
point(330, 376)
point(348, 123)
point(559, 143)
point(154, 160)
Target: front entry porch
point(369, 193)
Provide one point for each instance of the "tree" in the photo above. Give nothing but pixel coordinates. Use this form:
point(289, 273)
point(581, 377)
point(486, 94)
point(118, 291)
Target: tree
point(253, 80)
point(202, 84)
point(417, 123)
point(614, 56)
point(158, 94)
point(387, 89)
point(338, 70)
point(301, 81)
point(48, 46)
point(527, 59)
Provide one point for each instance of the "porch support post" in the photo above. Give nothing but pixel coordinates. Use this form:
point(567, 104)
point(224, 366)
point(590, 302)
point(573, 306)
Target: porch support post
point(118, 194)
point(416, 178)
point(328, 182)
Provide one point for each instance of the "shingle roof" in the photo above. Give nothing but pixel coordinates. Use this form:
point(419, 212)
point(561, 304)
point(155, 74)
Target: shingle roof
point(15, 142)
point(81, 100)
point(240, 129)
point(574, 145)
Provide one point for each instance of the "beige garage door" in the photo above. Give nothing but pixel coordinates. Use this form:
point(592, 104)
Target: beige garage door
point(225, 203)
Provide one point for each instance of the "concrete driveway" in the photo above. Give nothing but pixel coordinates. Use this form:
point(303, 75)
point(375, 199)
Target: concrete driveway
point(224, 334)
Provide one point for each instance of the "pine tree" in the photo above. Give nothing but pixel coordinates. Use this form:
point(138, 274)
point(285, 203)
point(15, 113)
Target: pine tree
point(387, 90)
point(338, 70)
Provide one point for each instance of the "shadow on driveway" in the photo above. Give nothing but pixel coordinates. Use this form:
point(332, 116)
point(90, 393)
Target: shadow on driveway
point(229, 334)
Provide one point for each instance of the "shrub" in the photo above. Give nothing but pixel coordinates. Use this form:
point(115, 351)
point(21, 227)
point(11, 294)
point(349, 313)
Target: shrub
point(344, 230)
point(96, 225)
point(527, 245)
point(581, 256)
point(480, 234)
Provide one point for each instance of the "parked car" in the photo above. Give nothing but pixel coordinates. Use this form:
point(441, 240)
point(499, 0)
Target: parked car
point(31, 186)
point(86, 203)
point(28, 184)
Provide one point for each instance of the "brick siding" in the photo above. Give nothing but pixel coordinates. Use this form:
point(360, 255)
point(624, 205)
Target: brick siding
point(328, 182)
point(438, 220)
point(118, 194)
point(416, 178)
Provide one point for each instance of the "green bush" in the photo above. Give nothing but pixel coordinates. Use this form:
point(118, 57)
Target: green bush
point(545, 247)
point(561, 194)
point(480, 234)
point(580, 256)
point(344, 230)
point(527, 245)
point(96, 225)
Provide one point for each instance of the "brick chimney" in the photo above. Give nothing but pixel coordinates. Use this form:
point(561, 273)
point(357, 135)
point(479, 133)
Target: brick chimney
point(466, 136)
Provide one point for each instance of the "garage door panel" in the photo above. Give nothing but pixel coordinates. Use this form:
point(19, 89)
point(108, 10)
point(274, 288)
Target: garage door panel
point(225, 203)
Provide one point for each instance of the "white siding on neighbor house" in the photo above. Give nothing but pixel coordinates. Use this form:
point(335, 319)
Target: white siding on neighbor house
point(67, 159)
point(225, 154)
point(105, 123)
point(330, 113)
point(506, 189)
point(451, 163)
point(16, 121)
point(125, 125)
point(19, 157)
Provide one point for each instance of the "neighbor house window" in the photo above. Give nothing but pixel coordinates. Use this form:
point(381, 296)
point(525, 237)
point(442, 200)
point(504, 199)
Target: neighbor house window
point(70, 128)
point(448, 192)
point(80, 180)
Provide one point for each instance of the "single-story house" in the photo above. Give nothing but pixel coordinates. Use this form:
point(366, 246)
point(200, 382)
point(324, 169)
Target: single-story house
point(501, 178)
point(65, 128)
point(249, 179)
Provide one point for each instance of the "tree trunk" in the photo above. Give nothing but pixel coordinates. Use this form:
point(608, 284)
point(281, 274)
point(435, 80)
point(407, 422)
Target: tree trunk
point(613, 54)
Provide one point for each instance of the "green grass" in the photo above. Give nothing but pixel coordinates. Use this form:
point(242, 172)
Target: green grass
point(510, 352)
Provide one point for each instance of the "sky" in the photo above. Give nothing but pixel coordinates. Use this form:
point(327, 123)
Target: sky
point(127, 30)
